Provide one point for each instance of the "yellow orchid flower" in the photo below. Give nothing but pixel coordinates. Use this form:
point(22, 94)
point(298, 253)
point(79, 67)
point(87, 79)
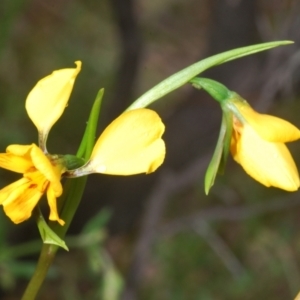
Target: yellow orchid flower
point(131, 144)
point(258, 145)
point(40, 175)
point(256, 141)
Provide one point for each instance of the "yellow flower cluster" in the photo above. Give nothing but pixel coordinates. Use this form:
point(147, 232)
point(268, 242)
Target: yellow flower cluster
point(131, 144)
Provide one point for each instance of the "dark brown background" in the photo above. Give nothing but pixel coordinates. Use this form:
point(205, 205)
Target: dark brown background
point(167, 239)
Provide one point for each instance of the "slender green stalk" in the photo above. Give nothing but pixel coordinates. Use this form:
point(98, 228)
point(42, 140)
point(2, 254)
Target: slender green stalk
point(73, 190)
point(47, 256)
point(45, 260)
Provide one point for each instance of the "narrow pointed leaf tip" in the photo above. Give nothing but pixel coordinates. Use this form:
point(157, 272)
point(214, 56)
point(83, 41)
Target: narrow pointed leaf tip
point(49, 97)
point(214, 164)
point(47, 234)
point(130, 145)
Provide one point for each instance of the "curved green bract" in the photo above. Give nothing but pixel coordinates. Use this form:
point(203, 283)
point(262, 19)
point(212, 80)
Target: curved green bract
point(217, 90)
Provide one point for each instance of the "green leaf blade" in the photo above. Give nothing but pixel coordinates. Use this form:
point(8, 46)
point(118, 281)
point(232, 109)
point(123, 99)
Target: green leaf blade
point(182, 77)
point(214, 164)
point(47, 234)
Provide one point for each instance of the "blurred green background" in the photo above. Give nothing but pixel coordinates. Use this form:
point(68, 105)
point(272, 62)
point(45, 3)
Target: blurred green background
point(159, 236)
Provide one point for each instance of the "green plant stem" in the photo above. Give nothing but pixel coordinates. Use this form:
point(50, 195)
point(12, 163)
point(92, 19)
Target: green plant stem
point(72, 194)
point(45, 260)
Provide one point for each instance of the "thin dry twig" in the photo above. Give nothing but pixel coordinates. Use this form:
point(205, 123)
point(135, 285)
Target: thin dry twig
point(219, 246)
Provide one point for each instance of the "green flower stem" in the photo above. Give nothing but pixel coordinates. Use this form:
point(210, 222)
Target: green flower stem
point(73, 191)
point(45, 260)
point(47, 256)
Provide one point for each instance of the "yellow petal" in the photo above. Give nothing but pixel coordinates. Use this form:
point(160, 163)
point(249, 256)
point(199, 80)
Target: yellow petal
point(53, 207)
point(19, 199)
point(10, 189)
point(269, 163)
point(48, 99)
point(19, 150)
point(270, 128)
point(44, 166)
point(131, 144)
point(297, 297)
point(17, 158)
point(15, 163)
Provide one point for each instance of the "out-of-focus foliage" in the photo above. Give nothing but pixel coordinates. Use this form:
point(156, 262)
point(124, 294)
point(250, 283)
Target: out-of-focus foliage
point(168, 240)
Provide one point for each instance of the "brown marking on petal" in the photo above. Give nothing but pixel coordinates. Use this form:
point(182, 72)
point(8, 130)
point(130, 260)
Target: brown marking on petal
point(237, 126)
point(32, 169)
point(45, 185)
